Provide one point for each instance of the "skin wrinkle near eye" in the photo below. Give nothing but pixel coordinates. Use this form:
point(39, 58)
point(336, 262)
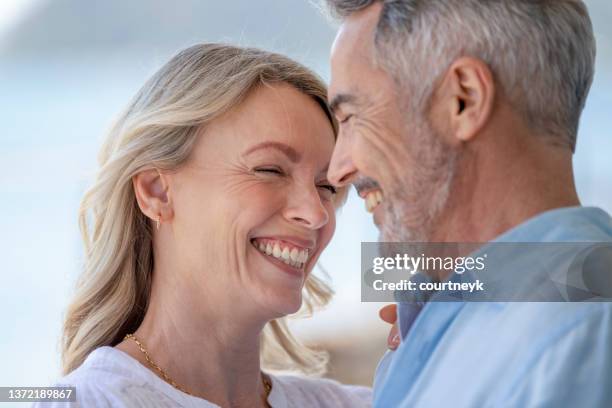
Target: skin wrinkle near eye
point(252, 169)
point(272, 164)
point(368, 123)
point(290, 123)
point(234, 172)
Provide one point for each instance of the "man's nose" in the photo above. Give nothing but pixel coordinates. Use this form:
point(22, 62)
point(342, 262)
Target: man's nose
point(341, 170)
point(307, 210)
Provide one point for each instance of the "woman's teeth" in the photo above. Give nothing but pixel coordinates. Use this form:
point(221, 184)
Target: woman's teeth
point(279, 250)
point(373, 199)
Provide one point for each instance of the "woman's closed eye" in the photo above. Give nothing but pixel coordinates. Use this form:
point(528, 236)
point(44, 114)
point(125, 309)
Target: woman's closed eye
point(269, 170)
point(329, 187)
point(329, 191)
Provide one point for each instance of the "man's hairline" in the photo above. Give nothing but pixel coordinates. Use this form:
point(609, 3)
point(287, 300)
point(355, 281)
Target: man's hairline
point(373, 59)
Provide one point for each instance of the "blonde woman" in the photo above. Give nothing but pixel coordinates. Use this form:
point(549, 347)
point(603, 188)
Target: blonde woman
point(209, 212)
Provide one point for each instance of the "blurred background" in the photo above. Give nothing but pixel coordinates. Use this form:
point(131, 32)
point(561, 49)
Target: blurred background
point(67, 67)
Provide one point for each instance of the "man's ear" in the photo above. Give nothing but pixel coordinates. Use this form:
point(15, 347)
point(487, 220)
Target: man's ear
point(151, 190)
point(470, 97)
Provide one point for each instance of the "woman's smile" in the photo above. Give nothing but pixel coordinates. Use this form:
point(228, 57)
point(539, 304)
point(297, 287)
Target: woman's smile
point(285, 253)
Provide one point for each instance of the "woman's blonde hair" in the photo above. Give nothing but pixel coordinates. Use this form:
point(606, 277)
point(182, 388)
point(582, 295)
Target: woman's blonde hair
point(158, 130)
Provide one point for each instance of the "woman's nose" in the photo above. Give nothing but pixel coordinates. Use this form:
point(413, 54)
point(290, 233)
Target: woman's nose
point(306, 209)
point(341, 171)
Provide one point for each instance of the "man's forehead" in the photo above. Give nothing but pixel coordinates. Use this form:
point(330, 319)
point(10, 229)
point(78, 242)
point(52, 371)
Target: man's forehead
point(356, 34)
point(352, 50)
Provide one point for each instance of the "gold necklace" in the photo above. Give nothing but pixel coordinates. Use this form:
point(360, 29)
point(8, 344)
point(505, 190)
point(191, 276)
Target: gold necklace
point(130, 336)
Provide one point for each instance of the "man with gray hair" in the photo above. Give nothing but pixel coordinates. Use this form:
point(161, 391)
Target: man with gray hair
point(458, 124)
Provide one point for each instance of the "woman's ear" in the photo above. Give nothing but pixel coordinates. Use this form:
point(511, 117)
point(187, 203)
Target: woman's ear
point(151, 190)
point(470, 97)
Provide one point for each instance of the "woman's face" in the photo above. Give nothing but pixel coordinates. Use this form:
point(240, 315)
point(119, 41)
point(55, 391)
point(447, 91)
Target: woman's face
point(252, 206)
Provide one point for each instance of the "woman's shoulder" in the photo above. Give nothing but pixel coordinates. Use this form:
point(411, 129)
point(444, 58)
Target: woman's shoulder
point(109, 379)
point(300, 391)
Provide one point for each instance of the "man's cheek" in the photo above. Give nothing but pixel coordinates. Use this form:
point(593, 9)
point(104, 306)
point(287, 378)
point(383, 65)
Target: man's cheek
point(366, 156)
point(373, 165)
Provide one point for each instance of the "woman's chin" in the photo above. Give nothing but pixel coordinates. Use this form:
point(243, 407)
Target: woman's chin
point(282, 306)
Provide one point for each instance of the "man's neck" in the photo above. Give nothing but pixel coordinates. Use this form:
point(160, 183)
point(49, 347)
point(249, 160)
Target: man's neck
point(487, 201)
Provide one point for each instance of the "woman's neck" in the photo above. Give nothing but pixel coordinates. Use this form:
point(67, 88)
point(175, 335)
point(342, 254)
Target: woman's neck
point(210, 350)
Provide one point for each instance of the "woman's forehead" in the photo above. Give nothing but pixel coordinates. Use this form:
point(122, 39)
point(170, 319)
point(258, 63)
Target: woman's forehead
point(274, 114)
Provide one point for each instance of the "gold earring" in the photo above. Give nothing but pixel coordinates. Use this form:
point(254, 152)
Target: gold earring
point(157, 222)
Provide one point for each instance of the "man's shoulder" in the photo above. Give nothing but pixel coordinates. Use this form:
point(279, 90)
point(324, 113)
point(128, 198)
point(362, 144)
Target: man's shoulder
point(512, 344)
point(573, 224)
point(528, 328)
point(542, 315)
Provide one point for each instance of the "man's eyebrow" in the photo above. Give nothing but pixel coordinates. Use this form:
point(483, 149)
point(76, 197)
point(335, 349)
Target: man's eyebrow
point(289, 151)
point(339, 100)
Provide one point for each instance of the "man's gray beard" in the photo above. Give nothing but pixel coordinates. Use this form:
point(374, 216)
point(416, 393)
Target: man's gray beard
point(413, 208)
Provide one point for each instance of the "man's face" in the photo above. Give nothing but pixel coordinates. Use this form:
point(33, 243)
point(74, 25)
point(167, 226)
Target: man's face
point(389, 152)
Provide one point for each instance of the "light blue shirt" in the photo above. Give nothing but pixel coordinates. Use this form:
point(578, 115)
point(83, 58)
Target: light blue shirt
point(506, 354)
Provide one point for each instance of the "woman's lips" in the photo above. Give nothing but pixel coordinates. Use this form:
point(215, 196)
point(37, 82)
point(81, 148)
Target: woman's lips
point(285, 255)
point(291, 270)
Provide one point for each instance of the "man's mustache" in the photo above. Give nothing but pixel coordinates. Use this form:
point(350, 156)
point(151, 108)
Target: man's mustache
point(363, 184)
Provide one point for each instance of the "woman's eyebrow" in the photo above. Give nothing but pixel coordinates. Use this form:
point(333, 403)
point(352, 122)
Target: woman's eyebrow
point(289, 151)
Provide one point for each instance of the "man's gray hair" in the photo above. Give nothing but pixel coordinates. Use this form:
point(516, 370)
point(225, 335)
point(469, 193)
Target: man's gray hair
point(541, 52)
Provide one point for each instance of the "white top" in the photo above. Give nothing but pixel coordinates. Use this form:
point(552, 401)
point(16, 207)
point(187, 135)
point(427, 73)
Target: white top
point(111, 378)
